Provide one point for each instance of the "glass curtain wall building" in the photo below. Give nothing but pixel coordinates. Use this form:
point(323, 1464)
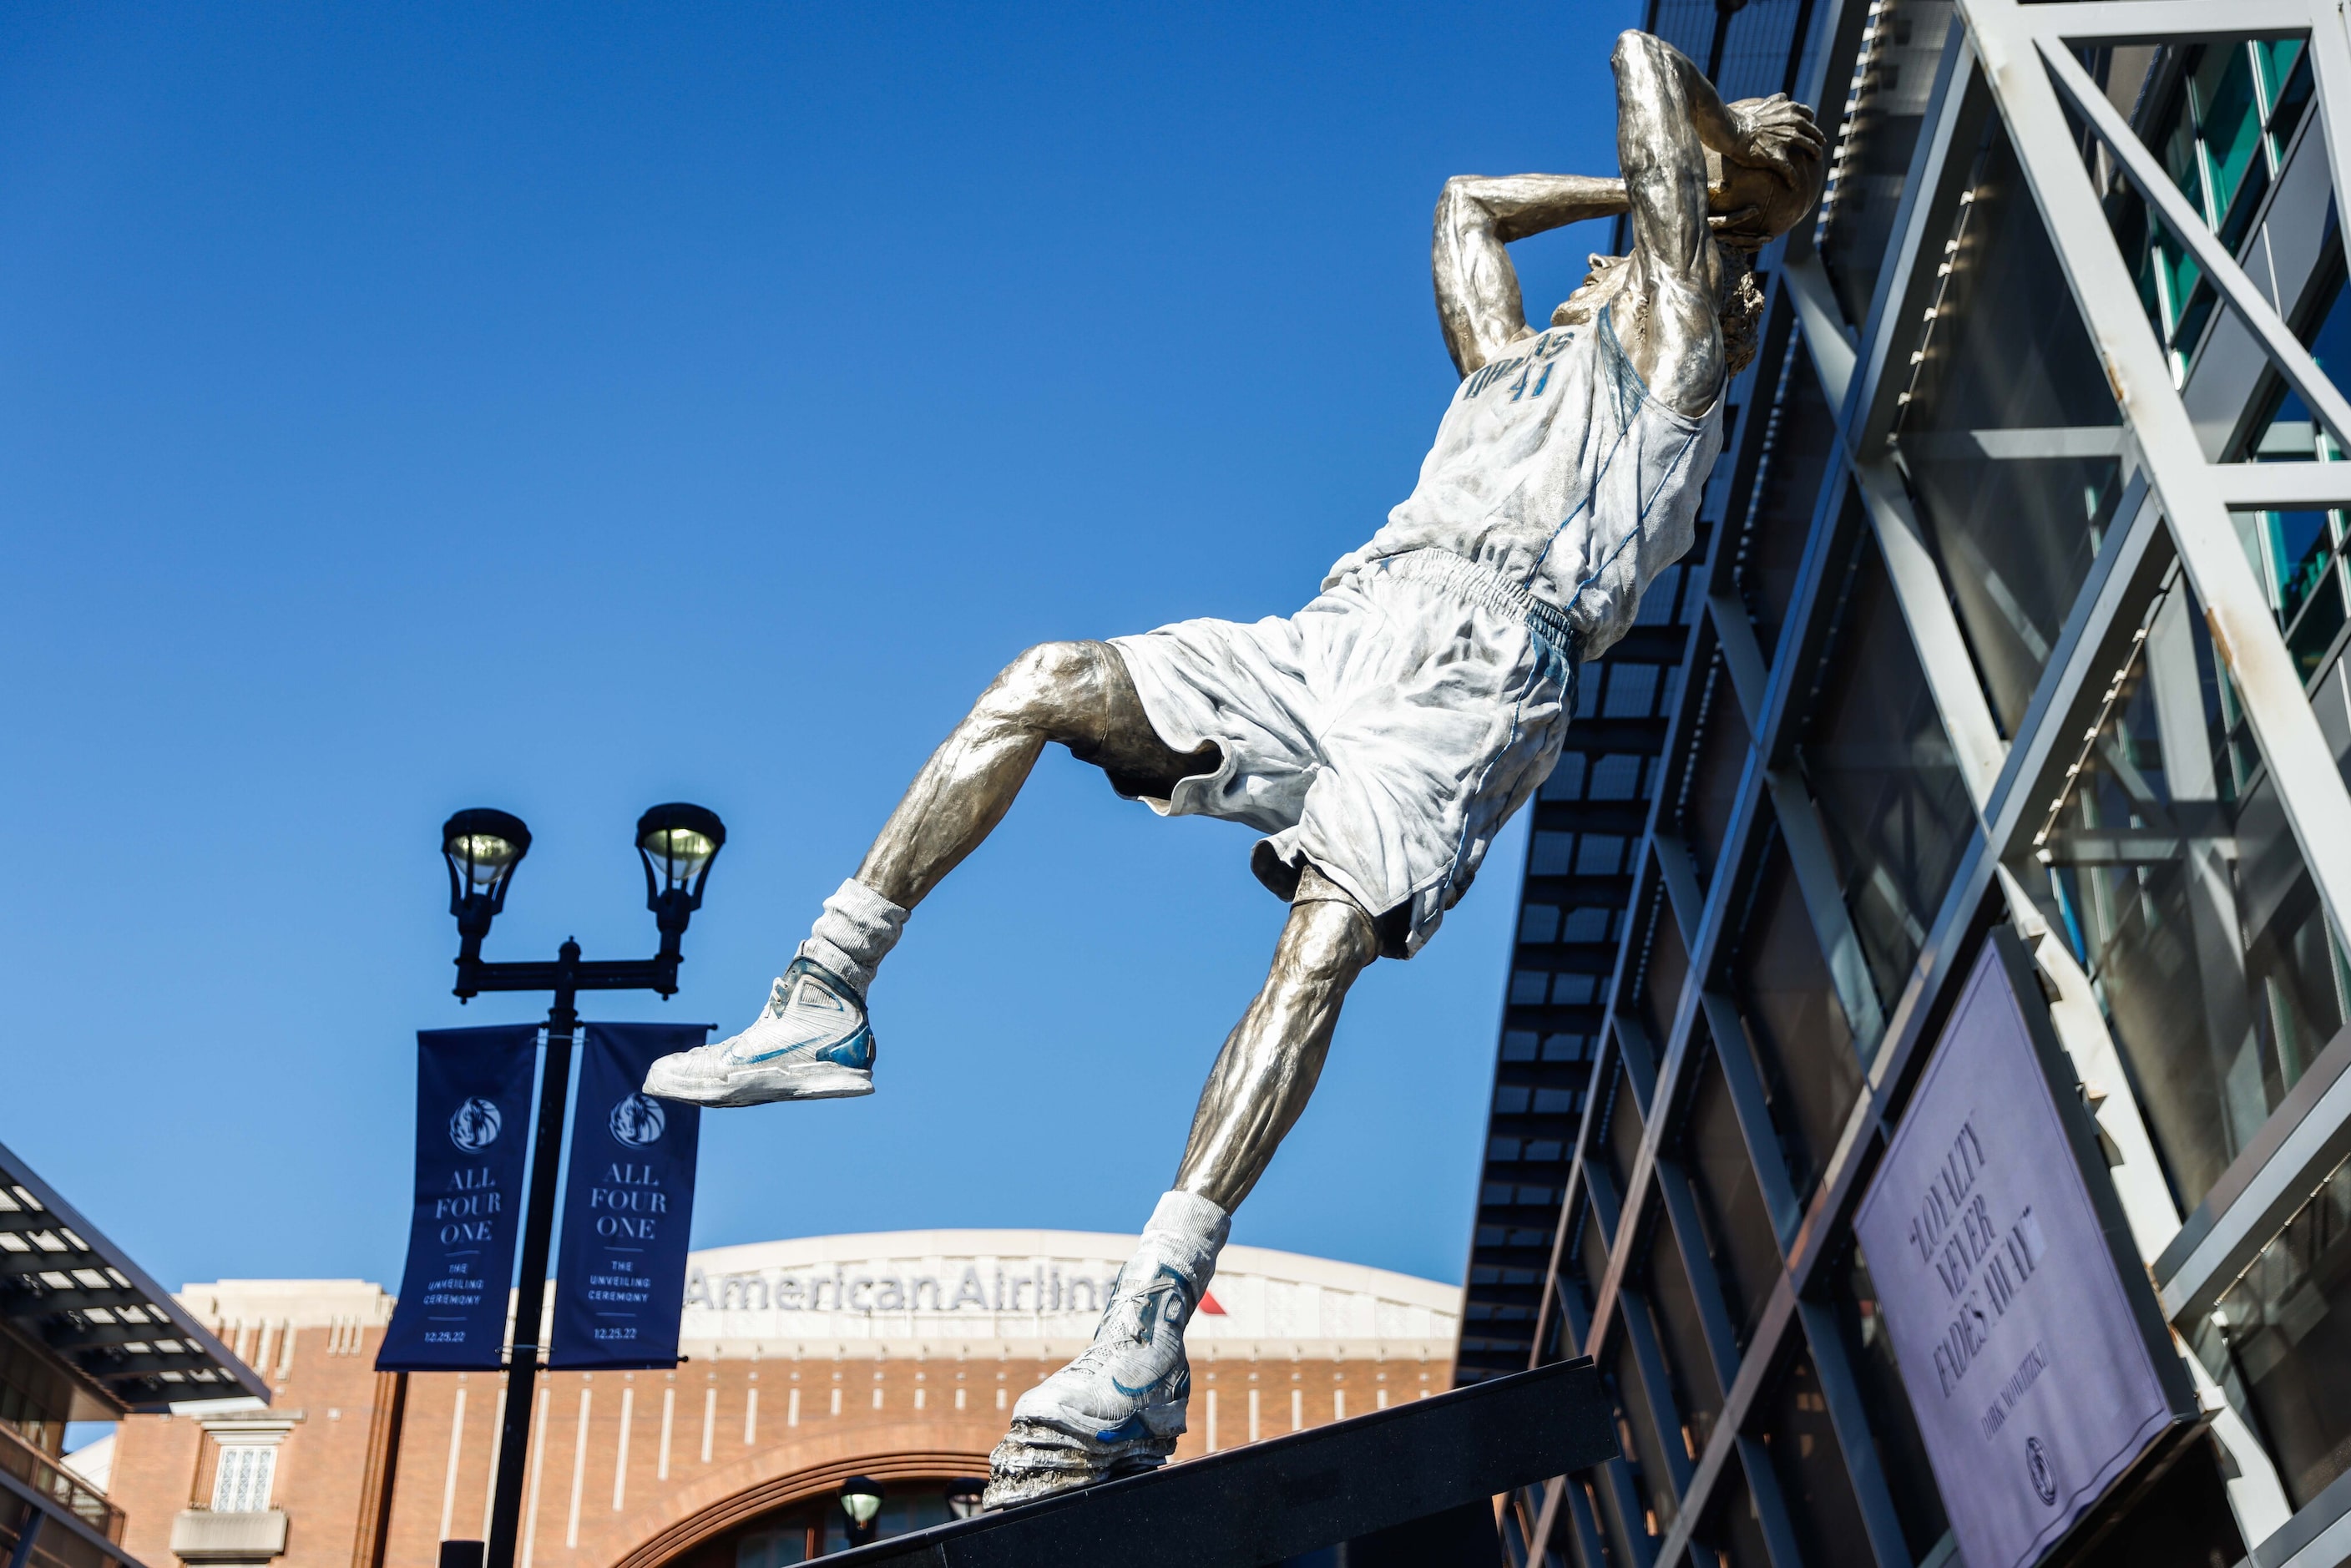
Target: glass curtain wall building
point(2018, 602)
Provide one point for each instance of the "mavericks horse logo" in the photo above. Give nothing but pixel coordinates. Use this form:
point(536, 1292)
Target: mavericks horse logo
point(638, 1120)
point(2037, 1465)
point(475, 1126)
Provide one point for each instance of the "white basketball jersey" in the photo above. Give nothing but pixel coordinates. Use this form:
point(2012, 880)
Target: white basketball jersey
point(1555, 467)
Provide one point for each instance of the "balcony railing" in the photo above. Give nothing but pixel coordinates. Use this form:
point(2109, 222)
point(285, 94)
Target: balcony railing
point(44, 1474)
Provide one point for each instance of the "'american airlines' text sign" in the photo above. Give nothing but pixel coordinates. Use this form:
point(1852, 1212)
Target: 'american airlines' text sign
point(2026, 1359)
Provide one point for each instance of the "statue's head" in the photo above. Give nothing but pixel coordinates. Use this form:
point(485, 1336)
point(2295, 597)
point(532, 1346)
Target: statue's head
point(1749, 208)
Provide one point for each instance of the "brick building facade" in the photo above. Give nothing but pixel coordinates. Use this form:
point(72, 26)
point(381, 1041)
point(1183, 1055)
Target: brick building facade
point(896, 1357)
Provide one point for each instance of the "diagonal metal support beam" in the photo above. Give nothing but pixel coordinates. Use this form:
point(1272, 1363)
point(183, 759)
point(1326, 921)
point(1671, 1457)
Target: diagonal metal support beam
point(2330, 61)
point(1825, 327)
point(2187, 224)
point(1942, 646)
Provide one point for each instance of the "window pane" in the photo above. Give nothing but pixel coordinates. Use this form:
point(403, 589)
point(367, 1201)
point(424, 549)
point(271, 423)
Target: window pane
point(773, 1548)
point(2285, 84)
point(1730, 1526)
point(34, 1392)
point(1810, 1468)
point(2229, 120)
point(1675, 1309)
point(1804, 1048)
point(1758, 46)
point(2169, 867)
point(1901, 1454)
point(2312, 635)
point(1737, 1227)
point(241, 1482)
point(1875, 755)
point(1662, 602)
point(1894, 73)
point(1636, 1430)
point(1607, 776)
point(1616, 776)
point(2218, 124)
point(1710, 788)
point(2279, 1343)
point(2009, 438)
point(1799, 441)
point(2299, 555)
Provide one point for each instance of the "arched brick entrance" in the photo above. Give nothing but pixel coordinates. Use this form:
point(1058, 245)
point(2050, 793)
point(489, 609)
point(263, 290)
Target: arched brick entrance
point(715, 1517)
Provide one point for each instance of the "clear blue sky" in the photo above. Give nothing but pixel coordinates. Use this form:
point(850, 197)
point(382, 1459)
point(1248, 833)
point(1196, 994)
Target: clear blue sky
point(571, 408)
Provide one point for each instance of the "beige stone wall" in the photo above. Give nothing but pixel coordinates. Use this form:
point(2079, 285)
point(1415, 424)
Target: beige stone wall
point(620, 1458)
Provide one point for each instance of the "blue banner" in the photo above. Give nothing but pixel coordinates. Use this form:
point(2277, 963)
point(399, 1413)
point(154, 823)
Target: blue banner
point(626, 1205)
point(473, 1130)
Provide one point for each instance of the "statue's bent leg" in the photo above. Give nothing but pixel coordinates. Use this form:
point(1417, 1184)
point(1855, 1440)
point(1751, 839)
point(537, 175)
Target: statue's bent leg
point(1121, 1406)
point(1079, 694)
point(812, 1042)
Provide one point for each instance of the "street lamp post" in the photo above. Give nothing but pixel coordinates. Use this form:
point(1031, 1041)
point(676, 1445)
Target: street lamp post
point(677, 843)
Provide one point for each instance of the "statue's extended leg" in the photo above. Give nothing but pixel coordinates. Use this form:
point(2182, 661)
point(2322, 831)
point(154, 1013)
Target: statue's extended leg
point(1120, 1407)
point(812, 1042)
point(1271, 1060)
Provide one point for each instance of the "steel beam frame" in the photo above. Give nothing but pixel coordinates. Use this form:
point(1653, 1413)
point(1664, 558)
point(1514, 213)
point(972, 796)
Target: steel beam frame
point(2015, 60)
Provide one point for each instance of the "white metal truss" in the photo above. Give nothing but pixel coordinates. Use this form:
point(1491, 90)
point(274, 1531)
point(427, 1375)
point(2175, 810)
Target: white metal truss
point(2029, 61)
point(2024, 55)
point(2185, 222)
point(2014, 41)
point(2030, 69)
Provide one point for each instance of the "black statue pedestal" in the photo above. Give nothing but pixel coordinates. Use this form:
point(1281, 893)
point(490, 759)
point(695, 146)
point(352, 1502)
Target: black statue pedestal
point(1412, 1484)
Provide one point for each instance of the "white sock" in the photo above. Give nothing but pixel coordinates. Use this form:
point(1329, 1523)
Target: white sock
point(1187, 1231)
point(854, 933)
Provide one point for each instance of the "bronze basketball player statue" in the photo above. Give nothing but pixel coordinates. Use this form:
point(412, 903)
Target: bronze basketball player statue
point(1379, 737)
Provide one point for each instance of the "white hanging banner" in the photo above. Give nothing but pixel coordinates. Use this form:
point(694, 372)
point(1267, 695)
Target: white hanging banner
point(2039, 1372)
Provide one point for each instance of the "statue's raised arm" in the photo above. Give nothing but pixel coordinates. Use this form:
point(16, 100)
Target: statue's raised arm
point(1685, 214)
point(1477, 302)
point(1764, 172)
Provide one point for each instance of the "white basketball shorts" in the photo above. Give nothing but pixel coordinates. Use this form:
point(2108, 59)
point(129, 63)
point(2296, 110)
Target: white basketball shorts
point(1383, 733)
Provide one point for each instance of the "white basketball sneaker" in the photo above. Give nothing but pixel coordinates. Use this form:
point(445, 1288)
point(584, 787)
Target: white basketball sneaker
point(810, 1042)
point(1118, 1409)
